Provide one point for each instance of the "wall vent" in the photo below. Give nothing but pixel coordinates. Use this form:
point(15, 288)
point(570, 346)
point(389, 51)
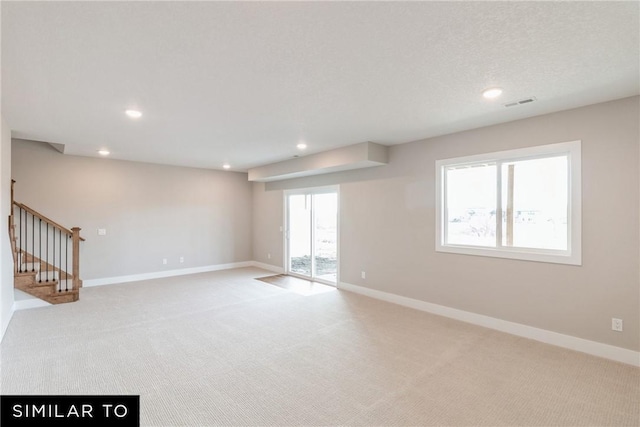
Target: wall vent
point(520, 102)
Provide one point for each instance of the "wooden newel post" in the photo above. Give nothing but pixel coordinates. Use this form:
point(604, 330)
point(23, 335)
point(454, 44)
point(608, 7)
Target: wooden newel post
point(75, 237)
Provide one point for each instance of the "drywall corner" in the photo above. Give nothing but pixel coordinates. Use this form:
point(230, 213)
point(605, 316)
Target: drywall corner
point(6, 259)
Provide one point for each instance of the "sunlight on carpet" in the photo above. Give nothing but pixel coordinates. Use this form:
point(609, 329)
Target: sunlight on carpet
point(297, 285)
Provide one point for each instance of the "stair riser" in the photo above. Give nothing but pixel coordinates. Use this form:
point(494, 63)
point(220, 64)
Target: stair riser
point(51, 275)
point(23, 280)
point(49, 293)
point(32, 280)
point(42, 292)
point(64, 298)
point(50, 278)
point(62, 285)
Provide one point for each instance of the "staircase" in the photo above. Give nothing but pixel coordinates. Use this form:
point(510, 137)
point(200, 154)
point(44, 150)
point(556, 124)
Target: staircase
point(46, 255)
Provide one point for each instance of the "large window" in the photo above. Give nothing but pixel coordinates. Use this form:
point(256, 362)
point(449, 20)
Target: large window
point(522, 204)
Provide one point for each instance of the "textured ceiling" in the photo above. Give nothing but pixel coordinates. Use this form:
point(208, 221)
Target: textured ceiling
point(244, 82)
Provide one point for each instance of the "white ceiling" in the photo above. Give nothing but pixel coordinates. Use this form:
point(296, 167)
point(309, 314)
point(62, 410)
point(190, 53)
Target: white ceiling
point(244, 82)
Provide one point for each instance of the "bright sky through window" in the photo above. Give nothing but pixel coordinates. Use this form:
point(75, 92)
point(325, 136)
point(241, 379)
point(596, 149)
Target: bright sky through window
point(512, 204)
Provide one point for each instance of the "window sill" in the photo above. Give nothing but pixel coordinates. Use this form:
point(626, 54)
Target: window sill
point(549, 256)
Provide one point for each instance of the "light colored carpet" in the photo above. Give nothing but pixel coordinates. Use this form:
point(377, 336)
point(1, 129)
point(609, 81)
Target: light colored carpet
point(224, 349)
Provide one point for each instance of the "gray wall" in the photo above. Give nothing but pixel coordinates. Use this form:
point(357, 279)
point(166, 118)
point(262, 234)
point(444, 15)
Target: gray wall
point(268, 217)
point(387, 225)
point(150, 211)
point(6, 258)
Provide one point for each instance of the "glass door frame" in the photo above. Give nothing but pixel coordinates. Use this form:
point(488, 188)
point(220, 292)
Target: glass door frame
point(286, 235)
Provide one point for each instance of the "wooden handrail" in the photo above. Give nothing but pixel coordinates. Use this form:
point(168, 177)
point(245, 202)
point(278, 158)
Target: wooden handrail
point(45, 219)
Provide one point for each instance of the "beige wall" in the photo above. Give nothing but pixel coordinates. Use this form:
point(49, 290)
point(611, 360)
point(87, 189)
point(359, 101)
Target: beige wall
point(387, 228)
point(357, 156)
point(267, 219)
point(387, 222)
point(6, 258)
point(150, 211)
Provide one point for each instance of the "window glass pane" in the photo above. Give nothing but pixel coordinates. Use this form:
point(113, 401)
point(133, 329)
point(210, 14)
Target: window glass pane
point(471, 205)
point(300, 234)
point(535, 203)
point(325, 206)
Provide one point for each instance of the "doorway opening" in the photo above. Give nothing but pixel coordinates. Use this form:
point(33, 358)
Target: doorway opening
point(312, 234)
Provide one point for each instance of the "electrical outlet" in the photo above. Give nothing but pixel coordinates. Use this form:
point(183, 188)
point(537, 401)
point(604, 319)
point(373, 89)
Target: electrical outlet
point(164, 261)
point(181, 259)
point(363, 274)
point(616, 324)
point(102, 231)
point(269, 256)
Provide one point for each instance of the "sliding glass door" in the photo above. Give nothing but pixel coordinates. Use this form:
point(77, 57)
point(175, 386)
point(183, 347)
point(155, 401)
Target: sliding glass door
point(312, 235)
point(299, 233)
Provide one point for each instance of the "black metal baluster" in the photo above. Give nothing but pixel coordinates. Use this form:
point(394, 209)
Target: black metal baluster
point(60, 260)
point(25, 245)
point(40, 250)
point(47, 250)
point(26, 241)
point(66, 263)
point(20, 242)
point(53, 262)
point(17, 234)
point(15, 241)
point(33, 243)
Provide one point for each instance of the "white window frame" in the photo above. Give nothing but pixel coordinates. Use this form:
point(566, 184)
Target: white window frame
point(573, 254)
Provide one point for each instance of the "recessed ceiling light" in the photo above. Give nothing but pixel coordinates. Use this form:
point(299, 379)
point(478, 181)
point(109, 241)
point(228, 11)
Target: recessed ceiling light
point(301, 146)
point(134, 114)
point(226, 166)
point(104, 152)
point(491, 93)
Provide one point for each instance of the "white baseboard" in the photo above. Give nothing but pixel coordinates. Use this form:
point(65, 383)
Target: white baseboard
point(179, 272)
point(268, 267)
point(167, 273)
point(5, 324)
point(36, 302)
point(29, 303)
point(24, 301)
point(566, 341)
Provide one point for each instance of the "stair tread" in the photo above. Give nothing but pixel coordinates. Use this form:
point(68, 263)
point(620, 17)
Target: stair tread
point(45, 283)
point(25, 273)
point(54, 275)
point(43, 264)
